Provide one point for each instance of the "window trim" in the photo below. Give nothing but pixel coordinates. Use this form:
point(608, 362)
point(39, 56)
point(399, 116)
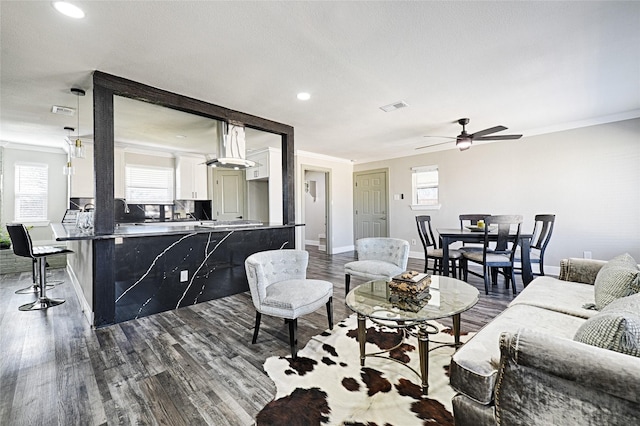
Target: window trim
point(414, 172)
point(171, 188)
point(31, 221)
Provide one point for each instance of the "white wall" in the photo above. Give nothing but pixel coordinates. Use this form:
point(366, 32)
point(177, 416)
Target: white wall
point(58, 199)
point(340, 236)
point(588, 177)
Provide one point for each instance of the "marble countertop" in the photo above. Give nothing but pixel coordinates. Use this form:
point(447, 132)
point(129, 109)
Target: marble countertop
point(66, 232)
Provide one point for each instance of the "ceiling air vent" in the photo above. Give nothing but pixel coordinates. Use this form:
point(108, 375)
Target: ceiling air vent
point(394, 106)
point(63, 110)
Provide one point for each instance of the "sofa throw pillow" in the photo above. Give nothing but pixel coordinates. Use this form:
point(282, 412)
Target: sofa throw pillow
point(620, 277)
point(616, 327)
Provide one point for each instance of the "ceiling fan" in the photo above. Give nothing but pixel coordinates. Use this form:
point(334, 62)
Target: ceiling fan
point(464, 140)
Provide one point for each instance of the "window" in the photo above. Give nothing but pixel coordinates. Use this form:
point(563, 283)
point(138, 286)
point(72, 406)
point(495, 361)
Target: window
point(31, 192)
point(148, 185)
point(425, 188)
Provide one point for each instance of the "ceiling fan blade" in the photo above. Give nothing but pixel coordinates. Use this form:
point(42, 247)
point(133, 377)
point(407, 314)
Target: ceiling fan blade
point(498, 138)
point(435, 144)
point(487, 131)
point(442, 137)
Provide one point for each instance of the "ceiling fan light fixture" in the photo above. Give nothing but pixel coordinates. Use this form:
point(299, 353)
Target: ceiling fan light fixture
point(68, 9)
point(463, 143)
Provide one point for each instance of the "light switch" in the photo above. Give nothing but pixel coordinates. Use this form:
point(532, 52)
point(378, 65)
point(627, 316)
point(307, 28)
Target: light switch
point(184, 276)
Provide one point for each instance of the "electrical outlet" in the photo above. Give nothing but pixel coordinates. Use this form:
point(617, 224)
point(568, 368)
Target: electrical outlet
point(413, 242)
point(586, 254)
point(184, 276)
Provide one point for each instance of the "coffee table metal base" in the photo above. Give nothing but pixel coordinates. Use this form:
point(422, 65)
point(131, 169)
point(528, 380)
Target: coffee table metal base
point(424, 329)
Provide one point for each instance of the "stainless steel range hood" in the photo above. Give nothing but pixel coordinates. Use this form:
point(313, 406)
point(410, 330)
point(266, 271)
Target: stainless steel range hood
point(231, 148)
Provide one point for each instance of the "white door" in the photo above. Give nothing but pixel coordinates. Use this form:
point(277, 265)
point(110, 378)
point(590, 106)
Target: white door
point(370, 204)
point(228, 194)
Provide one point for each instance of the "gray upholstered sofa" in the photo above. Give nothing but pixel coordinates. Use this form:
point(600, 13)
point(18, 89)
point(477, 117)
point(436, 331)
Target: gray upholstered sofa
point(525, 366)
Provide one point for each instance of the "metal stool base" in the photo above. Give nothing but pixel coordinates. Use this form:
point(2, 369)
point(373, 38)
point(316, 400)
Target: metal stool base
point(41, 304)
point(33, 289)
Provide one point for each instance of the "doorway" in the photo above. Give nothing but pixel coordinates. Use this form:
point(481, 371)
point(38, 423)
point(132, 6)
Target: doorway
point(370, 204)
point(228, 194)
point(316, 208)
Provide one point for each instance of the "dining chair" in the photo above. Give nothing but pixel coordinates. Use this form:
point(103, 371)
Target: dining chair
point(468, 220)
point(379, 258)
point(431, 250)
point(542, 229)
point(502, 255)
point(280, 288)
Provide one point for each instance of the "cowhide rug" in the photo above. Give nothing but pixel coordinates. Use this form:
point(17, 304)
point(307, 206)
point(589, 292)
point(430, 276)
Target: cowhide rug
point(325, 385)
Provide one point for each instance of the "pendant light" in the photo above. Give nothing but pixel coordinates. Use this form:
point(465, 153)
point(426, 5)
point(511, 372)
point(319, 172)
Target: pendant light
point(77, 150)
point(68, 169)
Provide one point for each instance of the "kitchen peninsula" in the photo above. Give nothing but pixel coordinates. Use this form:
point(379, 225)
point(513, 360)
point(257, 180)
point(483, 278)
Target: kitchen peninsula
point(162, 267)
point(128, 271)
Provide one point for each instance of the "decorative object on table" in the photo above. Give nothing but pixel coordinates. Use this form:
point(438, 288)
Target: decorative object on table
point(84, 220)
point(327, 385)
point(410, 282)
point(409, 291)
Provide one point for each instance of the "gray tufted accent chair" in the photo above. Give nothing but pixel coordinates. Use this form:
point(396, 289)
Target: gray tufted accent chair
point(280, 288)
point(378, 259)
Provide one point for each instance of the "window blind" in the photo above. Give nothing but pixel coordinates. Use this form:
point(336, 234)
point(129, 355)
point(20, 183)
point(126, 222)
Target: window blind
point(148, 185)
point(31, 191)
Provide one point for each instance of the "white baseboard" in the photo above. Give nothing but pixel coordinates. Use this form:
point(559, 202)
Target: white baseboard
point(87, 312)
point(343, 249)
point(311, 242)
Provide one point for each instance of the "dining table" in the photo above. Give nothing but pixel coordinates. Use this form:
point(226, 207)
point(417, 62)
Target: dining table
point(449, 236)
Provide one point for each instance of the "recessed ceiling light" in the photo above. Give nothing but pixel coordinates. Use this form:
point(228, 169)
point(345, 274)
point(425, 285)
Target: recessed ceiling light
point(394, 106)
point(68, 9)
point(180, 136)
point(304, 96)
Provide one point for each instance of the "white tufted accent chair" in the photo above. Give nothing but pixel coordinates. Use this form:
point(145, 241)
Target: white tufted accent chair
point(378, 259)
point(280, 288)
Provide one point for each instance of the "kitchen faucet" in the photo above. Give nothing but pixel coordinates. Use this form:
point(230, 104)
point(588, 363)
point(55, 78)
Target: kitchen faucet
point(126, 206)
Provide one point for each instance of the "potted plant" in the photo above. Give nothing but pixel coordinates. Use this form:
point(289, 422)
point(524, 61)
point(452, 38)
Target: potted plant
point(5, 241)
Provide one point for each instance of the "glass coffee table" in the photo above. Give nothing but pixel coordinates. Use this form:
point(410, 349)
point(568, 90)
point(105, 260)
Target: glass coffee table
point(449, 297)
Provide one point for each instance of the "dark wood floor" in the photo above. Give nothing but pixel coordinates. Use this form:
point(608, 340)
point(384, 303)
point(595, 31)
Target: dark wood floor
point(190, 366)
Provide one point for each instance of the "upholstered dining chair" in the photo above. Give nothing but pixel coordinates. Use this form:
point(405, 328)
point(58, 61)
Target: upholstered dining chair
point(506, 238)
point(22, 246)
point(280, 288)
point(542, 229)
point(471, 220)
point(379, 258)
point(431, 250)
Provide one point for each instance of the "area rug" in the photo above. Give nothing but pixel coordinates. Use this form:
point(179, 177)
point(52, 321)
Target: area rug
point(325, 385)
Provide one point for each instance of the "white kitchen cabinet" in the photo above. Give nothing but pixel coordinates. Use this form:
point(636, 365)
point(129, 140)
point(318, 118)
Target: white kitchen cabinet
point(261, 169)
point(191, 178)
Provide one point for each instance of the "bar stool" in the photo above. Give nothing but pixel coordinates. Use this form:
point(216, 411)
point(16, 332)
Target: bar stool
point(22, 246)
point(35, 286)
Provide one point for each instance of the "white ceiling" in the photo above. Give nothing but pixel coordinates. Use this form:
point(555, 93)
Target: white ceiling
point(532, 66)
